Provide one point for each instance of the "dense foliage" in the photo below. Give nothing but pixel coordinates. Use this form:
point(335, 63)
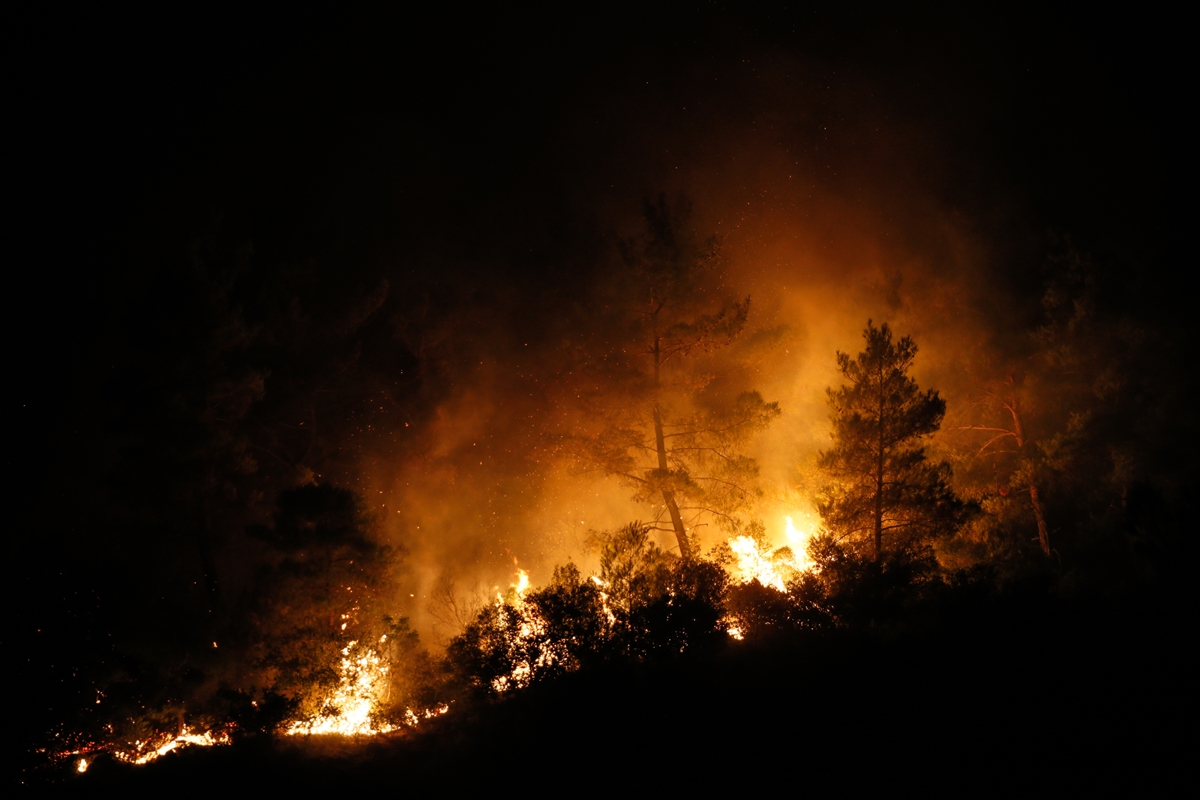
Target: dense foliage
point(883, 485)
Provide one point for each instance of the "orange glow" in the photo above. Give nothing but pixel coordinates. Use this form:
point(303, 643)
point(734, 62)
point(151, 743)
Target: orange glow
point(354, 707)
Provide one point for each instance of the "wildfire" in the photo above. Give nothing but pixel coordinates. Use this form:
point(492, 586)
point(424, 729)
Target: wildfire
point(531, 627)
point(798, 541)
point(756, 563)
point(608, 612)
point(412, 718)
point(518, 589)
point(146, 751)
point(362, 686)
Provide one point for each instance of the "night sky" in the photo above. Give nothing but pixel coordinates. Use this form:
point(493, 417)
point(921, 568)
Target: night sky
point(458, 175)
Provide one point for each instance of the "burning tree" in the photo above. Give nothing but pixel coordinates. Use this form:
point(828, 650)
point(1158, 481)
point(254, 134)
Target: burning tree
point(325, 590)
point(528, 637)
point(674, 432)
point(882, 482)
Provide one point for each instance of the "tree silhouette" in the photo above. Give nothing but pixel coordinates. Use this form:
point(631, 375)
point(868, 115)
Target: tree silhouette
point(667, 427)
point(1014, 450)
point(326, 582)
point(882, 483)
point(520, 641)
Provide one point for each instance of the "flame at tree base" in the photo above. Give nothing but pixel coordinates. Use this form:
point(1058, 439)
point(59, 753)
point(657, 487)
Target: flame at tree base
point(353, 708)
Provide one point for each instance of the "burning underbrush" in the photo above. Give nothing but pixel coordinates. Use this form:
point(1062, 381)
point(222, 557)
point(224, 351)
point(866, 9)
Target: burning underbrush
point(643, 605)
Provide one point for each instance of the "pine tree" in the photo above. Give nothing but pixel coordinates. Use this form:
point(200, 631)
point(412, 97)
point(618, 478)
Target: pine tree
point(665, 423)
point(882, 484)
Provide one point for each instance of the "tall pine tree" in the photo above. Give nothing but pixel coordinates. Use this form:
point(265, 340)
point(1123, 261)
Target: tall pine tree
point(882, 486)
point(666, 421)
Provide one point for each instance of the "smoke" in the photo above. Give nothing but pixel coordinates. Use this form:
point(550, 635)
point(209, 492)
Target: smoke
point(832, 208)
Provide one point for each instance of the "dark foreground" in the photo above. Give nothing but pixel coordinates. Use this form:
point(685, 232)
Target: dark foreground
point(1023, 700)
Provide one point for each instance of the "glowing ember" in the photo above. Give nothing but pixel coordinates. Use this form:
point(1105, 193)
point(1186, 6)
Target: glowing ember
point(412, 719)
point(350, 711)
point(146, 751)
point(82, 765)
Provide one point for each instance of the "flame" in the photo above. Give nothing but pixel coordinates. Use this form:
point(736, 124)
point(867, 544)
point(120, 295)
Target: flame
point(518, 589)
point(361, 688)
point(608, 612)
point(81, 766)
point(798, 541)
point(353, 710)
point(412, 719)
point(158, 746)
point(754, 563)
point(531, 627)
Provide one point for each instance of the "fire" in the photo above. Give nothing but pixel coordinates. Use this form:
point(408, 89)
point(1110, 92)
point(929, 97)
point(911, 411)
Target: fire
point(362, 687)
point(531, 627)
point(608, 612)
point(412, 718)
point(798, 541)
point(519, 589)
point(146, 751)
point(81, 766)
point(756, 563)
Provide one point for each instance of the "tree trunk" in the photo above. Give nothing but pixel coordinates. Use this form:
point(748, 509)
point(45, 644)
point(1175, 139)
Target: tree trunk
point(1043, 531)
point(879, 509)
point(1034, 499)
point(669, 496)
point(660, 445)
point(879, 481)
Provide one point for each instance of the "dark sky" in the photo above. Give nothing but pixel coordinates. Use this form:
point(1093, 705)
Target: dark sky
point(472, 152)
point(359, 138)
point(456, 138)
